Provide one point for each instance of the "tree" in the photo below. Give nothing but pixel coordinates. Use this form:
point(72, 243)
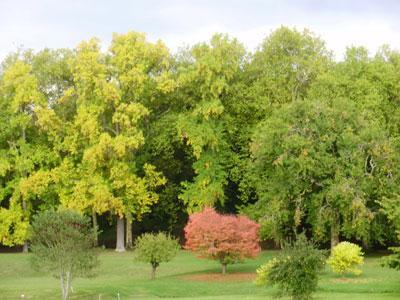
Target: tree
point(372, 83)
point(205, 72)
point(285, 65)
point(62, 243)
point(143, 72)
point(102, 141)
point(314, 163)
point(226, 238)
point(146, 73)
point(155, 249)
point(25, 155)
point(282, 69)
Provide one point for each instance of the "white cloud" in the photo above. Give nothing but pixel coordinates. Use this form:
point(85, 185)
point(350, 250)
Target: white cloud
point(44, 23)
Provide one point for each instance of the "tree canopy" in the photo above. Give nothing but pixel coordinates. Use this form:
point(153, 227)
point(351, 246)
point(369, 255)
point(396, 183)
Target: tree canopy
point(138, 137)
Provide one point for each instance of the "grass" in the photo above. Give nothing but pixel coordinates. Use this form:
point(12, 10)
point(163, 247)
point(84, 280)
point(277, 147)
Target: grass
point(118, 273)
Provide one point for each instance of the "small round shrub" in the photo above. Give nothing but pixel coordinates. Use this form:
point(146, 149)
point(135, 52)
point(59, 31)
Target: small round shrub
point(295, 271)
point(155, 249)
point(346, 257)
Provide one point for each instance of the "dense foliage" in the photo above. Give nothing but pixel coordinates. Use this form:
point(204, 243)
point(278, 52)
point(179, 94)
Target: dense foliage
point(63, 243)
point(137, 137)
point(295, 271)
point(226, 238)
point(346, 257)
point(393, 260)
point(155, 249)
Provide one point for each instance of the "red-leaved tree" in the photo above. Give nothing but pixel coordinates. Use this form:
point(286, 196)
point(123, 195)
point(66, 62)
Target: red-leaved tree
point(226, 238)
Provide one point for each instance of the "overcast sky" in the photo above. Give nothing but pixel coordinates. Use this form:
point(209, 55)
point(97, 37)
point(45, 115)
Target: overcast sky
point(44, 23)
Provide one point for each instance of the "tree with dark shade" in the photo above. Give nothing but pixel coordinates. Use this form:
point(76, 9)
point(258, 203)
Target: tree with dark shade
point(226, 238)
point(62, 243)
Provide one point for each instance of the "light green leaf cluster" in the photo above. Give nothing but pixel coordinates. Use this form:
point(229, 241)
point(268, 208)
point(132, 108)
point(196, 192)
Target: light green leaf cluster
point(263, 271)
point(156, 249)
point(346, 257)
point(14, 218)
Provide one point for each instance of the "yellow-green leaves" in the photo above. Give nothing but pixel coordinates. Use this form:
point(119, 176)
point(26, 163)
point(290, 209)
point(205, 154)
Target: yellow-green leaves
point(21, 159)
point(127, 116)
point(5, 164)
point(106, 130)
point(20, 88)
point(141, 67)
point(13, 226)
point(346, 257)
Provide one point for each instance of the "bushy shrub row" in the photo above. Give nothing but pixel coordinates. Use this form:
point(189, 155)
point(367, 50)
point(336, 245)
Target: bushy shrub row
point(63, 242)
point(295, 270)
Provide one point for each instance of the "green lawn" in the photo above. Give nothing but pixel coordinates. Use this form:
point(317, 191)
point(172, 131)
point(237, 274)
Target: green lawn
point(118, 273)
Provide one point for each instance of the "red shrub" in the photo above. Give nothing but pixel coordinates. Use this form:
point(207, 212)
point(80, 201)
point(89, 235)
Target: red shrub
point(226, 238)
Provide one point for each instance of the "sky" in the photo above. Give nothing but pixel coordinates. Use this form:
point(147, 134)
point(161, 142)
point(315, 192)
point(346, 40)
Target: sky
point(38, 24)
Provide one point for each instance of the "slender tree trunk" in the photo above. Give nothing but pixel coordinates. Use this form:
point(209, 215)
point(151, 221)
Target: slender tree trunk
point(153, 271)
point(25, 247)
point(62, 287)
point(64, 291)
point(120, 235)
point(68, 284)
point(334, 231)
point(95, 228)
point(223, 269)
point(129, 237)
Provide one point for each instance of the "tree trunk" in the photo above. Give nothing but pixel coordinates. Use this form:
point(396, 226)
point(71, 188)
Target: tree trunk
point(67, 285)
point(95, 228)
point(64, 285)
point(129, 238)
point(334, 232)
point(25, 247)
point(153, 271)
point(223, 269)
point(120, 235)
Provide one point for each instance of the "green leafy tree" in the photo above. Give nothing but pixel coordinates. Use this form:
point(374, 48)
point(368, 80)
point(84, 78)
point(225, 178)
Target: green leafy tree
point(313, 163)
point(282, 69)
point(155, 249)
point(285, 65)
point(62, 243)
point(393, 260)
point(205, 74)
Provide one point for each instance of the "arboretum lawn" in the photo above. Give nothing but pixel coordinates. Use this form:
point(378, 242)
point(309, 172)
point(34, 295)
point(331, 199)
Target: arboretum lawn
point(186, 277)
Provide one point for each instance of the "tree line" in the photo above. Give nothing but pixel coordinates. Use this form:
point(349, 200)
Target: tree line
point(286, 135)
